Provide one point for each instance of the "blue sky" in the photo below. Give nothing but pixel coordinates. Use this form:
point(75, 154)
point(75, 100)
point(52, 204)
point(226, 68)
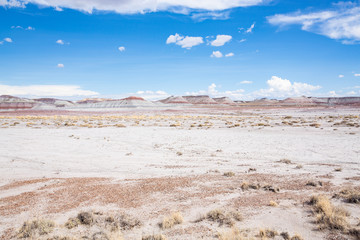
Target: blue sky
point(244, 49)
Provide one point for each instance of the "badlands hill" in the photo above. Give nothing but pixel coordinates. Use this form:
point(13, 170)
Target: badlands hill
point(16, 103)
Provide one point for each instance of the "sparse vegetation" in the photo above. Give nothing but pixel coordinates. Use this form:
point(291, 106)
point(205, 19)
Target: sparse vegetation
point(285, 160)
point(174, 219)
point(273, 204)
point(296, 237)
point(350, 195)
point(35, 228)
point(154, 237)
point(72, 223)
point(229, 174)
point(232, 234)
point(328, 216)
point(86, 218)
point(267, 233)
point(338, 169)
point(224, 218)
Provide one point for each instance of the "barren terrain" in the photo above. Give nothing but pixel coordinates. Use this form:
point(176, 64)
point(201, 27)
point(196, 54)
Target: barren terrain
point(144, 166)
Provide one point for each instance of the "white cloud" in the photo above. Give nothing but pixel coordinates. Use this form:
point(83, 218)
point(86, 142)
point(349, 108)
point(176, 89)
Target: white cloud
point(246, 82)
point(20, 27)
point(136, 6)
point(280, 88)
point(121, 49)
point(184, 42)
point(45, 91)
point(351, 93)
point(213, 92)
point(151, 95)
point(229, 55)
point(356, 74)
point(242, 40)
point(216, 54)
point(341, 76)
point(333, 94)
point(251, 28)
point(61, 42)
point(341, 23)
point(216, 15)
point(60, 65)
point(9, 40)
point(221, 40)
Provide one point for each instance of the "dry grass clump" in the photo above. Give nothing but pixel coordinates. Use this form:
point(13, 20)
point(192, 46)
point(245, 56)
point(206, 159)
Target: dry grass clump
point(35, 228)
point(85, 218)
point(267, 233)
point(328, 216)
point(350, 195)
point(299, 166)
point(174, 219)
point(271, 188)
point(246, 186)
point(232, 234)
point(72, 222)
point(355, 232)
point(314, 184)
point(286, 161)
point(285, 235)
point(296, 237)
point(107, 236)
point(229, 174)
point(154, 237)
point(273, 204)
point(224, 218)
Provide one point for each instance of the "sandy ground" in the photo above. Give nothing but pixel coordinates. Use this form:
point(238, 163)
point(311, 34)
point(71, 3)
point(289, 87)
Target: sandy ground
point(149, 164)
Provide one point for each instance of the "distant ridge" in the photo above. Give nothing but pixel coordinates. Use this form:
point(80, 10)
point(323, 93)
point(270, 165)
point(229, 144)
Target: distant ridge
point(201, 99)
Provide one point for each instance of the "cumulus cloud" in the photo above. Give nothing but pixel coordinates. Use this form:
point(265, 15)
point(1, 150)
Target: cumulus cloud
point(184, 42)
point(341, 76)
point(213, 92)
point(229, 55)
point(61, 42)
point(216, 54)
point(356, 74)
point(246, 82)
point(9, 40)
point(221, 40)
point(121, 49)
point(341, 23)
point(45, 91)
point(135, 6)
point(60, 65)
point(151, 95)
point(280, 88)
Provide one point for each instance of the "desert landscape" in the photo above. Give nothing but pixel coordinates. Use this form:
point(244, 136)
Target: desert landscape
point(180, 168)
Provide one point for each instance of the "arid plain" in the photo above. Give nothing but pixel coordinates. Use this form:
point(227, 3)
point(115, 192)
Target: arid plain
point(182, 173)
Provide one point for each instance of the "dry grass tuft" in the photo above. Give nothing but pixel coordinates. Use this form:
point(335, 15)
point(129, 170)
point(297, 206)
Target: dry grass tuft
point(350, 195)
point(338, 169)
point(35, 228)
point(72, 222)
point(296, 237)
point(154, 237)
point(328, 216)
point(286, 161)
point(232, 234)
point(229, 174)
point(86, 218)
point(267, 233)
point(174, 219)
point(285, 235)
point(273, 204)
point(224, 218)
point(271, 188)
point(246, 186)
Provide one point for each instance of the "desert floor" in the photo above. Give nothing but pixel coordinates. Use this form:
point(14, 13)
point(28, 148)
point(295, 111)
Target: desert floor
point(129, 170)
